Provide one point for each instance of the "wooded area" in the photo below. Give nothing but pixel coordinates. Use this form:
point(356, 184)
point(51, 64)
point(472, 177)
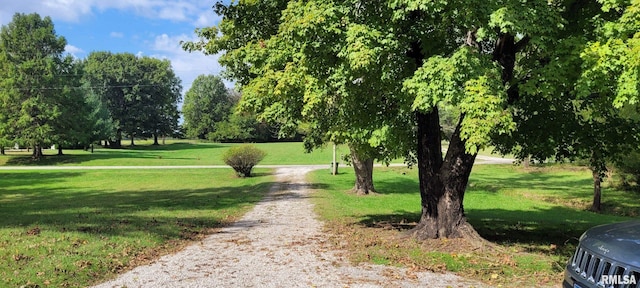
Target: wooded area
point(48, 98)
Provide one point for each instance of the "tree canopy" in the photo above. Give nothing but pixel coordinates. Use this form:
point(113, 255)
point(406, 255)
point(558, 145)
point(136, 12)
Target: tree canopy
point(140, 93)
point(33, 80)
point(47, 97)
point(327, 106)
point(365, 69)
point(207, 103)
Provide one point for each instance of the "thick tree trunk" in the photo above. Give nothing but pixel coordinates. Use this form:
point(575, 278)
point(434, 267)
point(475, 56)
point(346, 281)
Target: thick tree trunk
point(155, 139)
point(132, 141)
point(442, 182)
point(597, 191)
point(37, 152)
point(60, 150)
point(363, 168)
point(2, 150)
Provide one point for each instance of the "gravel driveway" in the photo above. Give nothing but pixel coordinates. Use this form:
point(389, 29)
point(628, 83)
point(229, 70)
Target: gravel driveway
point(277, 244)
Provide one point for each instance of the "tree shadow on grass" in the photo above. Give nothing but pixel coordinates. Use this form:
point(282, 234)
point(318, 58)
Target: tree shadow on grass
point(106, 212)
point(549, 229)
point(23, 179)
point(554, 230)
point(166, 213)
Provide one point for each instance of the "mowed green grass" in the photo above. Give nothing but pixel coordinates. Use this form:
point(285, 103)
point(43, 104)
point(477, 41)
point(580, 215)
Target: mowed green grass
point(63, 228)
point(535, 215)
point(174, 153)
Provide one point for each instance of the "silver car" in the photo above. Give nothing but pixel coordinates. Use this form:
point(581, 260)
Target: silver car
point(608, 256)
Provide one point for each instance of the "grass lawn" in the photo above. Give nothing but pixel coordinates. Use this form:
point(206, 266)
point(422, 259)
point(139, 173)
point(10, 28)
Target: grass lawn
point(76, 228)
point(69, 228)
point(174, 153)
point(535, 216)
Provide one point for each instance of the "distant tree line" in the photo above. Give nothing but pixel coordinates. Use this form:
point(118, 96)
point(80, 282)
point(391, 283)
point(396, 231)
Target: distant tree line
point(49, 98)
point(210, 113)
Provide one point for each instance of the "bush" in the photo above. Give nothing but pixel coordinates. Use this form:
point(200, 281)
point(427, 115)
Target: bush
point(243, 158)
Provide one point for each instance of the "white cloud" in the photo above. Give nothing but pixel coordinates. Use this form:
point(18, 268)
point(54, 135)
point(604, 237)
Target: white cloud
point(116, 34)
point(73, 50)
point(207, 19)
point(190, 11)
point(57, 9)
point(186, 65)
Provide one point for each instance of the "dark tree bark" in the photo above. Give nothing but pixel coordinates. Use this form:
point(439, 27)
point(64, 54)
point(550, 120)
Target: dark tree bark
point(132, 141)
point(60, 151)
point(117, 143)
point(2, 150)
point(37, 152)
point(598, 168)
point(363, 168)
point(443, 182)
point(597, 191)
point(155, 139)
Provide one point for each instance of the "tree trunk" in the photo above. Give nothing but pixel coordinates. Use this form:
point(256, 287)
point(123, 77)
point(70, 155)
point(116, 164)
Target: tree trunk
point(597, 191)
point(37, 152)
point(442, 182)
point(598, 168)
point(155, 139)
point(2, 150)
point(363, 168)
point(117, 144)
point(60, 150)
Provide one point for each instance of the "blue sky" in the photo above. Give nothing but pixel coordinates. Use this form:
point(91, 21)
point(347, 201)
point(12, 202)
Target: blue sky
point(143, 27)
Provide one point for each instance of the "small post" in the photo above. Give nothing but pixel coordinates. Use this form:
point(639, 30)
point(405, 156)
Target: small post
point(334, 164)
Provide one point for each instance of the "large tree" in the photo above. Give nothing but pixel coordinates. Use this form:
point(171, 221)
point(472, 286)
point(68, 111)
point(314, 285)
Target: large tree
point(609, 86)
point(281, 79)
point(493, 61)
point(141, 93)
point(567, 108)
point(207, 103)
point(72, 128)
point(101, 125)
point(160, 93)
point(31, 62)
point(109, 78)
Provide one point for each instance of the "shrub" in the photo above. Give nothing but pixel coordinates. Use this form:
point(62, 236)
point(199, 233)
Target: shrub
point(243, 158)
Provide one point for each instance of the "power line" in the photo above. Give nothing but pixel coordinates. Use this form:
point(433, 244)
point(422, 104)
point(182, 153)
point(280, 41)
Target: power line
point(81, 87)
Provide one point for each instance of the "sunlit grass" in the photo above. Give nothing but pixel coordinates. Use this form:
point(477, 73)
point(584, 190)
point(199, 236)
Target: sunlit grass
point(535, 215)
point(174, 153)
point(75, 228)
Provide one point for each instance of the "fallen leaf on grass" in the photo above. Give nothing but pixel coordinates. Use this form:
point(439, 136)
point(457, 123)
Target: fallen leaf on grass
point(34, 231)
